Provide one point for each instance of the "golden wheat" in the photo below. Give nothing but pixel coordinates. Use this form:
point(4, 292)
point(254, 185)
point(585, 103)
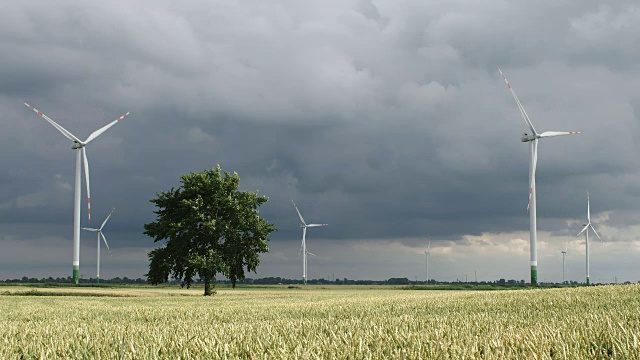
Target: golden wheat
point(334, 323)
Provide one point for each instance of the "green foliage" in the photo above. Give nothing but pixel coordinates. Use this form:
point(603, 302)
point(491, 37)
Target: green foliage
point(210, 228)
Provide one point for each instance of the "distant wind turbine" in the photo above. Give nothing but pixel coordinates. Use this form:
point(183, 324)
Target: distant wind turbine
point(533, 161)
point(585, 230)
point(100, 234)
point(564, 252)
point(427, 254)
point(303, 246)
point(81, 156)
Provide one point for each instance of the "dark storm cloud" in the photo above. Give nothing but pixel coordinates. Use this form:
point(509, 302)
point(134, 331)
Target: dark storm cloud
point(387, 120)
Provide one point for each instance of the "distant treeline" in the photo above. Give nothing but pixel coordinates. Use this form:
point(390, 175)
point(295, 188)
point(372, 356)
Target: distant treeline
point(390, 281)
point(345, 281)
point(280, 281)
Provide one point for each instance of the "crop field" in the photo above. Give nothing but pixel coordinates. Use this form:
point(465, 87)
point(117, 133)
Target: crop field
point(319, 322)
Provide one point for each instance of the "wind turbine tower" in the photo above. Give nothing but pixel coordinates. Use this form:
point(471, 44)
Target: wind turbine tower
point(427, 253)
point(585, 230)
point(564, 252)
point(303, 246)
point(100, 234)
point(81, 156)
point(532, 139)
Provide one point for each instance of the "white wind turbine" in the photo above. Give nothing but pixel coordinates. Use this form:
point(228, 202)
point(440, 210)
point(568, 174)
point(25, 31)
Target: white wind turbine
point(564, 252)
point(303, 246)
point(100, 234)
point(427, 254)
point(533, 161)
point(81, 156)
point(585, 230)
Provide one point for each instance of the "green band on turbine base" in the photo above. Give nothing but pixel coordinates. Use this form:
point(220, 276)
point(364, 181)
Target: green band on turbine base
point(534, 276)
point(76, 274)
point(588, 283)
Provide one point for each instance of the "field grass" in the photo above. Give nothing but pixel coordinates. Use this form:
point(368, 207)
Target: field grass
point(315, 322)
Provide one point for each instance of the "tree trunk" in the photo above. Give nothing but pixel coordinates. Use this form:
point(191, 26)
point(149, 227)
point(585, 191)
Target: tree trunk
point(207, 286)
point(233, 282)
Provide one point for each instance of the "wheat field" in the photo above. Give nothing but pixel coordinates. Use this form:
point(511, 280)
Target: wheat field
point(319, 323)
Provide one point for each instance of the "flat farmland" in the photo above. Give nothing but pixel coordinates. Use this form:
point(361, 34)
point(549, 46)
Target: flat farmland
point(313, 322)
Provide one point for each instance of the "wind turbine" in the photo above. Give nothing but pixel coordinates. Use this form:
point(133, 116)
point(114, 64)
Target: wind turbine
point(427, 253)
point(81, 155)
point(564, 252)
point(533, 161)
point(303, 246)
point(585, 230)
point(100, 234)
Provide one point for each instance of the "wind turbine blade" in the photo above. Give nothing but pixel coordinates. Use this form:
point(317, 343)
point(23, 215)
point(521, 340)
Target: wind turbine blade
point(97, 133)
point(429, 248)
point(588, 210)
point(559, 133)
point(535, 157)
point(304, 235)
point(64, 131)
point(595, 232)
point(107, 219)
point(86, 176)
point(90, 229)
point(316, 225)
point(520, 107)
point(583, 230)
point(298, 211)
point(532, 175)
point(310, 253)
point(105, 241)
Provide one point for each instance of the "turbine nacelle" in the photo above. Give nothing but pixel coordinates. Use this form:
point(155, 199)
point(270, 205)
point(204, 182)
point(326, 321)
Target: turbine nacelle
point(526, 137)
point(77, 145)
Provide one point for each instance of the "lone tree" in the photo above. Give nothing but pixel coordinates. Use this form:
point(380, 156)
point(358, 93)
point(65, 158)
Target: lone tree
point(210, 228)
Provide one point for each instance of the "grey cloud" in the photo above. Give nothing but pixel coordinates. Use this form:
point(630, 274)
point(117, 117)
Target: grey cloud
point(386, 120)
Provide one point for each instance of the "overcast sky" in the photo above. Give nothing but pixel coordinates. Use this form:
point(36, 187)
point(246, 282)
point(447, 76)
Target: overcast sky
point(388, 120)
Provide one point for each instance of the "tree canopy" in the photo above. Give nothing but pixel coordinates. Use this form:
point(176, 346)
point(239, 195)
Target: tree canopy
point(210, 228)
